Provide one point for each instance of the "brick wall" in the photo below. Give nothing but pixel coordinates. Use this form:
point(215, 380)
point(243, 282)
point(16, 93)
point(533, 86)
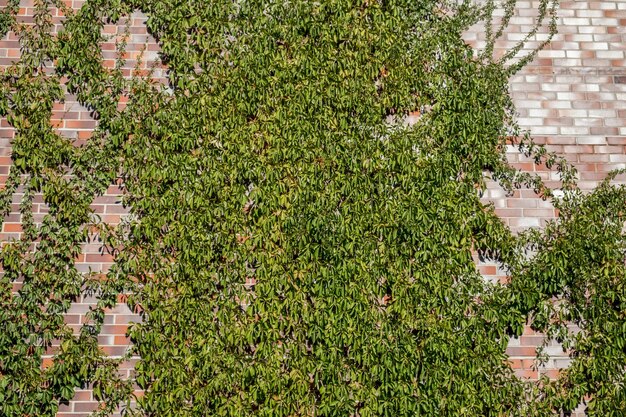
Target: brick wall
point(72, 120)
point(572, 98)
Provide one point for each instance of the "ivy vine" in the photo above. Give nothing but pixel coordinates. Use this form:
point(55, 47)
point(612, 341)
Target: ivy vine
point(294, 247)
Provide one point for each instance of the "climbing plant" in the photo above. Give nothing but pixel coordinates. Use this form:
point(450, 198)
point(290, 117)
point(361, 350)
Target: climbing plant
point(294, 246)
point(67, 178)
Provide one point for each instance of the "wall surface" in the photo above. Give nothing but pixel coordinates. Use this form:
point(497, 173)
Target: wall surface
point(572, 98)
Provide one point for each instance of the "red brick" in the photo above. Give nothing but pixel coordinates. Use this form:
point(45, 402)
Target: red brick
point(527, 374)
point(551, 373)
point(488, 270)
point(116, 329)
point(80, 124)
point(521, 351)
point(12, 227)
point(121, 340)
point(99, 258)
point(114, 350)
point(46, 363)
point(85, 406)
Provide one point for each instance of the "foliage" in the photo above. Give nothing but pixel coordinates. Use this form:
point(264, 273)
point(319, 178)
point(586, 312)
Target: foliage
point(294, 247)
point(67, 178)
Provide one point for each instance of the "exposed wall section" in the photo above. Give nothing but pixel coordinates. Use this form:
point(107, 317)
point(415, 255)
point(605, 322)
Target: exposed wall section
point(74, 121)
point(572, 97)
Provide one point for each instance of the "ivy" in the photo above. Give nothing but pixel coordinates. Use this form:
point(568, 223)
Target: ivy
point(293, 246)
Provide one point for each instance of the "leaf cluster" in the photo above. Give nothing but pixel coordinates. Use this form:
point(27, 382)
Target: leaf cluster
point(294, 246)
